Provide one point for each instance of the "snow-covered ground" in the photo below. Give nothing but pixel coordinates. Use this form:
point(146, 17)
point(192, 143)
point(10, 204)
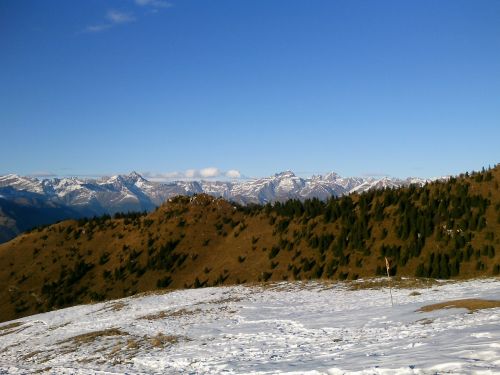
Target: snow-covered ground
point(299, 328)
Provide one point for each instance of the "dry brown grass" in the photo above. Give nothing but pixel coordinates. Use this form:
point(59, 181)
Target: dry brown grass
point(10, 326)
point(469, 304)
point(28, 356)
point(112, 346)
point(90, 337)
point(360, 284)
point(38, 356)
point(115, 349)
point(396, 282)
point(425, 321)
point(161, 340)
point(53, 328)
point(170, 314)
point(113, 306)
point(132, 344)
point(226, 300)
point(10, 347)
point(118, 349)
point(42, 370)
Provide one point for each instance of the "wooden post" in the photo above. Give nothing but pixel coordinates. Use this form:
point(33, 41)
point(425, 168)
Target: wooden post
point(388, 267)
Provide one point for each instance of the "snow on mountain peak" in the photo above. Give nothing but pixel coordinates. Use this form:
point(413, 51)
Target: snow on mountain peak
point(285, 174)
point(135, 176)
point(331, 176)
point(134, 192)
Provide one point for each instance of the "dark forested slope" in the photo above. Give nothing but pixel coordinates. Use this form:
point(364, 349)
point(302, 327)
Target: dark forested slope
point(442, 230)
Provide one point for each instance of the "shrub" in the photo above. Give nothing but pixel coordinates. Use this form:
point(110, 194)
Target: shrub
point(274, 251)
point(164, 282)
point(266, 275)
point(104, 258)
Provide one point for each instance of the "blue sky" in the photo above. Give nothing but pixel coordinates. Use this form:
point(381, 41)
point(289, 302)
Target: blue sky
point(358, 87)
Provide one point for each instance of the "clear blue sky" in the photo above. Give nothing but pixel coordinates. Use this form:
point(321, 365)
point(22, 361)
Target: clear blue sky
point(357, 87)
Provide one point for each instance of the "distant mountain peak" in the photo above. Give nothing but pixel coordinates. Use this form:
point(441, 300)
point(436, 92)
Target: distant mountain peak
point(129, 192)
point(136, 175)
point(285, 174)
point(331, 176)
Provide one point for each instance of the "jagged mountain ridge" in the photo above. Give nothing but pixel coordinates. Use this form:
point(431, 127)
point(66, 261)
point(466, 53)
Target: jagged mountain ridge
point(134, 192)
point(28, 202)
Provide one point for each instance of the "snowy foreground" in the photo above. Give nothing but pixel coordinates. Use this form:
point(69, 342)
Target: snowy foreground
point(299, 328)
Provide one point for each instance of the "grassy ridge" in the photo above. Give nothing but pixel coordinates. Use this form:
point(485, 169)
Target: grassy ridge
point(442, 230)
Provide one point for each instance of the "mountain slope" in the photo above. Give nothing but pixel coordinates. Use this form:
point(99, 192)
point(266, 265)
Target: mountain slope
point(89, 197)
point(21, 211)
point(442, 230)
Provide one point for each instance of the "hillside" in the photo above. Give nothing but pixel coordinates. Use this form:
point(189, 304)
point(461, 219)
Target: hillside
point(72, 198)
point(29, 210)
point(442, 230)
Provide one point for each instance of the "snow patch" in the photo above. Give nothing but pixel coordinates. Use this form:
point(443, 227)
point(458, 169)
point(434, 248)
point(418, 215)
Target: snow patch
point(293, 328)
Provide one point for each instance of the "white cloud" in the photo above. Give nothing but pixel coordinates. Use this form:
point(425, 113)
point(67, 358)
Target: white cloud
point(233, 173)
point(96, 28)
point(162, 176)
point(210, 172)
point(117, 17)
point(154, 3)
point(193, 174)
point(114, 17)
point(173, 174)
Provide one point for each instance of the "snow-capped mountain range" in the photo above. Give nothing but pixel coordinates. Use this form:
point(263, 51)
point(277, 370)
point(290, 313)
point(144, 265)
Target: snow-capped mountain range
point(133, 192)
